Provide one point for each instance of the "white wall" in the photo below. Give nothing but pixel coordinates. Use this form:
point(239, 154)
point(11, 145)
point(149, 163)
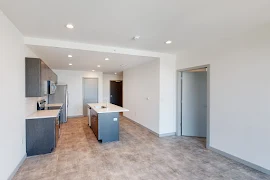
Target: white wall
point(12, 69)
point(138, 84)
point(239, 97)
point(167, 86)
point(74, 81)
point(106, 84)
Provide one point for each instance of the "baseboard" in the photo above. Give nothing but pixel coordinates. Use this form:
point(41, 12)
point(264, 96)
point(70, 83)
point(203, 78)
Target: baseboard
point(78, 116)
point(153, 132)
point(17, 168)
point(167, 134)
point(249, 164)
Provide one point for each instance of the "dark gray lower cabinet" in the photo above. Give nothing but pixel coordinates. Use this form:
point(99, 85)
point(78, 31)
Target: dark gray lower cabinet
point(105, 126)
point(41, 135)
point(62, 117)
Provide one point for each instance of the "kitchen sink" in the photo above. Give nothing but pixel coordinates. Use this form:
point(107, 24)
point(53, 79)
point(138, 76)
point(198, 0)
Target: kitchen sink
point(100, 107)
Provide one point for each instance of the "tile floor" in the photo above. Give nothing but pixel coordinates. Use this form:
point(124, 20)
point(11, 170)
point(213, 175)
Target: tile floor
point(138, 155)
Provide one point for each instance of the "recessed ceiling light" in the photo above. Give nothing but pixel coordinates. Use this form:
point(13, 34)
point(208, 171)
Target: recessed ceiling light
point(69, 26)
point(168, 42)
point(115, 73)
point(93, 70)
point(98, 65)
point(70, 56)
point(107, 59)
point(136, 37)
point(70, 64)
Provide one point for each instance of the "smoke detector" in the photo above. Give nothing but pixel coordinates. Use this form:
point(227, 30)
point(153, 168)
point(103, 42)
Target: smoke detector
point(136, 37)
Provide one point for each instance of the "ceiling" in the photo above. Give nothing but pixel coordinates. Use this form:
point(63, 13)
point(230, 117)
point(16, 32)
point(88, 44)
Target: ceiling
point(57, 58)
point(188, 23)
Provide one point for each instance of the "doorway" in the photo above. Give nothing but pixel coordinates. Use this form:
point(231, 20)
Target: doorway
point(116, 93)
point(90, 93)
point(193, 102)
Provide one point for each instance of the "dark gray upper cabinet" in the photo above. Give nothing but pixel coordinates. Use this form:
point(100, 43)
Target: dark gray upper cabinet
point(37, 73)
point(52, 76)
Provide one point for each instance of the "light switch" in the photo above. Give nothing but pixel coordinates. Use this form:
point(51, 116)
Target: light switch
point(114, 119)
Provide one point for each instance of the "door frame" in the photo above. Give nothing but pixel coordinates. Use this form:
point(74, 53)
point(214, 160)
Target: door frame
point(179, 74)
point(83, 91)
point(122, 90)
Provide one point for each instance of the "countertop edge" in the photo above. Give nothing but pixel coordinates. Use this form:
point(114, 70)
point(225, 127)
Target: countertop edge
point(110, 111)
point(36, 116)
point(45, 117)
point(54, 105)
point(99, 111)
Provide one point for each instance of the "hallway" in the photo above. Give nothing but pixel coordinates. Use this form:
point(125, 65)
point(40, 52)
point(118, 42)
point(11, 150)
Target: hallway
point(138, 155)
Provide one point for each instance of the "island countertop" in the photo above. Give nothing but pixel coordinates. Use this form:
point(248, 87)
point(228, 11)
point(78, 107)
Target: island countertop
point(109, 109)
point(44, 114)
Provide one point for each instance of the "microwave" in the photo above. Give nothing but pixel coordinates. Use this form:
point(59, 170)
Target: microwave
point(51, 87)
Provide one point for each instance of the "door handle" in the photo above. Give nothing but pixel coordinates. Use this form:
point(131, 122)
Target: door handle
point(111, 95)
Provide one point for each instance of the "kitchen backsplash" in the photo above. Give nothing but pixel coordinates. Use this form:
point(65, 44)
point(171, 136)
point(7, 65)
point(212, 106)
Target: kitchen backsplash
point(31, 104)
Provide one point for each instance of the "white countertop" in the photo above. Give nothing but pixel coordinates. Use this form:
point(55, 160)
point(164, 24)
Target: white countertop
point(110, 108)
point(44, 114)
point(54, 105)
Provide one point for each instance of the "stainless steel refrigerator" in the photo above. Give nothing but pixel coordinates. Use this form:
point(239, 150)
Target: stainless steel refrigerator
point(60, 96)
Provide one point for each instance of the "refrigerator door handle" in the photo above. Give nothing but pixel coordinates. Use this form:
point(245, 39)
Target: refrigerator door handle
point(67, 98)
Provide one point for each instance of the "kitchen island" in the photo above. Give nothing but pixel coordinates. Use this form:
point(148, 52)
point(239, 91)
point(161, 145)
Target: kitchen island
point(104, 121)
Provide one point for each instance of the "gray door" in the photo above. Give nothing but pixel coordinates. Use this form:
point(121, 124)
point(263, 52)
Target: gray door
point(90, 93)
point(194, 104)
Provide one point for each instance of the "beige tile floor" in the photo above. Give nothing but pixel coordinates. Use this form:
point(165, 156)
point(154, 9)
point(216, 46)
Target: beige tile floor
point(138, 155)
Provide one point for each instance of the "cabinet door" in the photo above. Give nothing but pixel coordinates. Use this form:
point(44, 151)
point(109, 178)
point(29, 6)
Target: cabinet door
point(50, 74)
point(40, 136)
point(33, 77)
point(43, 78)
point(94, 123)
point(54, 77)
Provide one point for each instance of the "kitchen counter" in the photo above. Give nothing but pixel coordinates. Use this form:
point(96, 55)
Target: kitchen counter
point(111, 108)
point(44, 114)
point(54, 105)
point(42, 132)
